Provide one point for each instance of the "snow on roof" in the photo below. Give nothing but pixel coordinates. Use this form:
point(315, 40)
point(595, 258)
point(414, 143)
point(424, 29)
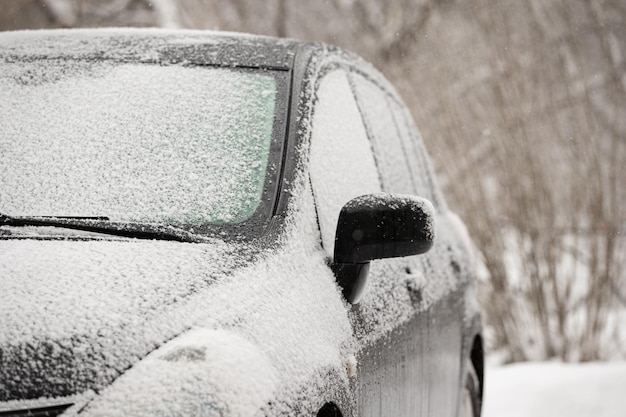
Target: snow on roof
point(151, 45)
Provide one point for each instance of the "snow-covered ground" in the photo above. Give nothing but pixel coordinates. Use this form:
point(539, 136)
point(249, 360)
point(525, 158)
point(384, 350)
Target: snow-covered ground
point(556, 389)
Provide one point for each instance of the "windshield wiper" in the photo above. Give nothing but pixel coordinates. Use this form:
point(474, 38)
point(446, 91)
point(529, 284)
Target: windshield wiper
point(21, 218)
point(75, 217)
point(43, 220)
point(100, 224)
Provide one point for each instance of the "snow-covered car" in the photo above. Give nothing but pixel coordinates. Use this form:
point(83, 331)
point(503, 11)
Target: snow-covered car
point(200, 224)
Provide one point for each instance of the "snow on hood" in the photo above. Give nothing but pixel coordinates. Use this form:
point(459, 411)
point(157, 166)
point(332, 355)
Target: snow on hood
point(92, 310)
point(263, 337)
point(75, 314)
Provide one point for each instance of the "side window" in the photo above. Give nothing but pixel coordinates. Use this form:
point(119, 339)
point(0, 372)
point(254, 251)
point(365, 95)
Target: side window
point(389, 147)
point(342, 165)
point(419, 162)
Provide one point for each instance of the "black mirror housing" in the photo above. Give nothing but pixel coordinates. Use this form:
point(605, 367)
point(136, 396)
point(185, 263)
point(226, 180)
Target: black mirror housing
point(376, 226)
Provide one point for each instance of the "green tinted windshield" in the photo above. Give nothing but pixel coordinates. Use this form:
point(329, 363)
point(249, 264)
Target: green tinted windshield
point(134, 142)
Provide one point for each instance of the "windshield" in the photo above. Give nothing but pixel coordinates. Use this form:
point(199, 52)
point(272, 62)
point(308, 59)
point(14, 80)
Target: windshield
point(142, 143)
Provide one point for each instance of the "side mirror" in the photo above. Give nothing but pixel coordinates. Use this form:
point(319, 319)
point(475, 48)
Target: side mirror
point(376, 226)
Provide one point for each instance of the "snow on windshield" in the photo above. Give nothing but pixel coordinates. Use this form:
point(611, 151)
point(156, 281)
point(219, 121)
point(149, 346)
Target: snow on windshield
point(134, 142)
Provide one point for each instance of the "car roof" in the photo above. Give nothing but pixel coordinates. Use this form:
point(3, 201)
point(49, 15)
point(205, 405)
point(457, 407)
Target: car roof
point(176, 46)
point(151, 45)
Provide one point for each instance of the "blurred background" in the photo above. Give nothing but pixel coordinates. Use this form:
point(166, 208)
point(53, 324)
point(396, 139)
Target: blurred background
point(522, 105)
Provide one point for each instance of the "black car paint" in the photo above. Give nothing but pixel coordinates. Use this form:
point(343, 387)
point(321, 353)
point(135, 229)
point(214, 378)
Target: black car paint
point(427, 346)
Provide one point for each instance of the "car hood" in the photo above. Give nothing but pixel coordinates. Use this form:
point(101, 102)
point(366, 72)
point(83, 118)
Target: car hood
point(77, 314)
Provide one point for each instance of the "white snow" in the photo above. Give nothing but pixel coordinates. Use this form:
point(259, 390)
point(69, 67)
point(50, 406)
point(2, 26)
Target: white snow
point(556, 389)
point(139, 43)
point(117, 282)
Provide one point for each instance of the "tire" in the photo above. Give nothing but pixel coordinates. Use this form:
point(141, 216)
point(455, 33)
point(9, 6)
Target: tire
point(471, 397)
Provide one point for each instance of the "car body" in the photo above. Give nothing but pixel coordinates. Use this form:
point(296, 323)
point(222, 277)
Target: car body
point(170, 242)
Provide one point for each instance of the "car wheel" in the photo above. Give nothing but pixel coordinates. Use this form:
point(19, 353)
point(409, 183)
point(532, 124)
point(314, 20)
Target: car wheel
point(471, 399)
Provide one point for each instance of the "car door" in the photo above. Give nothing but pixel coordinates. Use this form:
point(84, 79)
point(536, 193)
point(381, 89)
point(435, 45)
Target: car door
point(424, 359)
point(408, 333)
